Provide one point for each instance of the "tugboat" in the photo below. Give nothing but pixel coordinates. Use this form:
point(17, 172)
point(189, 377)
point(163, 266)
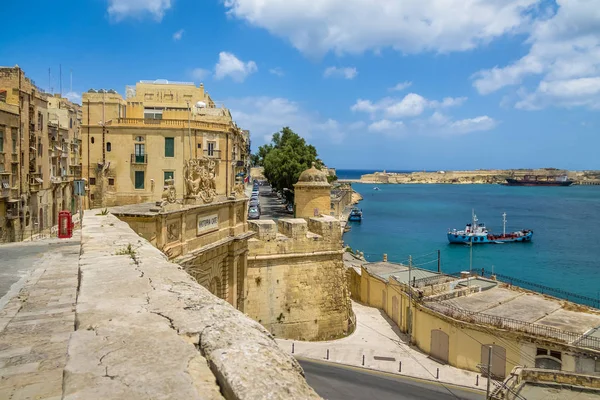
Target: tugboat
point(476, 232)
point(355, 215)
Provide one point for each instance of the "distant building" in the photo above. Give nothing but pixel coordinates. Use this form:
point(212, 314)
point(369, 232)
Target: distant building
point(132, 146)
point(39, 156)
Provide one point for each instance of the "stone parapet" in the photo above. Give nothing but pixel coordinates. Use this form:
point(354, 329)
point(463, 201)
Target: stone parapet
point(146, 329)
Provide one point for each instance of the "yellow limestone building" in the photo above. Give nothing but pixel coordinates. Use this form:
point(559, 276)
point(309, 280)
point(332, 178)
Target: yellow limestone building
point(132, 146)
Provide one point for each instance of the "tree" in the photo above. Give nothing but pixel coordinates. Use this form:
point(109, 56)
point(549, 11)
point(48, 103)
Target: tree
point(285, 158)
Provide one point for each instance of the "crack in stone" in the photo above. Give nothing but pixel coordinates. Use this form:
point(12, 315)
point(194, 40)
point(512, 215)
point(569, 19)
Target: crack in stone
point(168, 319)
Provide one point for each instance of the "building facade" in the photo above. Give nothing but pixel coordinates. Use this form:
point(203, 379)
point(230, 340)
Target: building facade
point(39, 157)
point(132, 146)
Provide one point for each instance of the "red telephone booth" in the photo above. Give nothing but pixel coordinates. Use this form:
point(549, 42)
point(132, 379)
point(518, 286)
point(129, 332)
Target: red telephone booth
point(65, 224)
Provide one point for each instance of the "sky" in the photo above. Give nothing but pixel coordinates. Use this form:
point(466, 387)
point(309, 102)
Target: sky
point(373, 84)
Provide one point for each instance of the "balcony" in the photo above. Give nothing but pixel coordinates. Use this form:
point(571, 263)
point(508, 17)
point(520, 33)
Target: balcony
point(212, 153)
point(35, 182)
point(139, 159)
point(56, 180)
point(170, 123)
point(12, 213)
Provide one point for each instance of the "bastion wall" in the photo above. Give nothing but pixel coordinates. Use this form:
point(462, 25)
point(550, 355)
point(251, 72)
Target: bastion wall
point(296, 281)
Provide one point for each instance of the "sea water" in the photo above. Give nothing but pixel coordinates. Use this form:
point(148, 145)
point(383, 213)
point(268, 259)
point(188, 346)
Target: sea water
point(403, 220)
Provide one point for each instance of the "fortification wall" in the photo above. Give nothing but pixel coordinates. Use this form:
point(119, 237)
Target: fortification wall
point(145, 329)
point(296, 281)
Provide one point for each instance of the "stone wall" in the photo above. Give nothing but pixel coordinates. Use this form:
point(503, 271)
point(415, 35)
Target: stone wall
point(296, 280)
point(145, 329)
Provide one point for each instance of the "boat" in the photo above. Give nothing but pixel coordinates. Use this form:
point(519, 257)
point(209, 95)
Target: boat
point(476, 232)
point(355, 215)
point(540, 180)
point(375, 188)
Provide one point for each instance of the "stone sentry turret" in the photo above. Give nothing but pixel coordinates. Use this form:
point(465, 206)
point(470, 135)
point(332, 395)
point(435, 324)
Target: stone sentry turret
point(312, 194)
point(296, 285)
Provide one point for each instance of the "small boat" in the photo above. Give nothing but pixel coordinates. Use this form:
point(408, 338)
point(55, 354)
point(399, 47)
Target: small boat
point(355, 215)
point(476, 232)
point(375, 188)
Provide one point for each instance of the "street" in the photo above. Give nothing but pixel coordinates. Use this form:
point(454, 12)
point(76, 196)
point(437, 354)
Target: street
point(338, 382)
point(18, 259)
point(271, 207)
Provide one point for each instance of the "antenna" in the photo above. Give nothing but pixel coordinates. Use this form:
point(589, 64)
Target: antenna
point(504, 224)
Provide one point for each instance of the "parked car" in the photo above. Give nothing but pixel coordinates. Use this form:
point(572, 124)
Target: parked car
point(289, 208)
point(253, 213)
point(255, 203)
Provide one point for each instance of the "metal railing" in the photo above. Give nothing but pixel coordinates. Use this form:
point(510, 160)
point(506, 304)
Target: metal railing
point(212, 153)
point(536, 287)
point(576, 339)
point(139, 158)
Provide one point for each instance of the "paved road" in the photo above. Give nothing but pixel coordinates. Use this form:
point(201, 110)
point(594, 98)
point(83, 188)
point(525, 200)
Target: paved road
point(271, 207)
point(18, 259)
point(336, 382)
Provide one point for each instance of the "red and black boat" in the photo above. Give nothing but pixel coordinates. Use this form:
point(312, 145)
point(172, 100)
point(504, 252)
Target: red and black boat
point(539, 180)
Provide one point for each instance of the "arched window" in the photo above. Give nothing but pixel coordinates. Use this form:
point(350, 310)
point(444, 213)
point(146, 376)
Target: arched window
point(108, 146)
point(139, 139)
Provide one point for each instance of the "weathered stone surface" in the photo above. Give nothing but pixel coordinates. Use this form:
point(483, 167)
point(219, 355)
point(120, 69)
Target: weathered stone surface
point(146, 329)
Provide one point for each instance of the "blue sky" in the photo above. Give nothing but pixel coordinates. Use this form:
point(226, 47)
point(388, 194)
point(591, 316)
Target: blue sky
point(412, 84)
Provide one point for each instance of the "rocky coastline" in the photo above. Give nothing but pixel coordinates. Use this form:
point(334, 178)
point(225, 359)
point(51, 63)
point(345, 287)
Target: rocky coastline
point(473, 177)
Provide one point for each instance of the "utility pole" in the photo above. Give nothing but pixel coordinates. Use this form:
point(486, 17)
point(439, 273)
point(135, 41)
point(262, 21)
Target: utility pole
point(409, 296)
point(439, 262)
point(489, 373)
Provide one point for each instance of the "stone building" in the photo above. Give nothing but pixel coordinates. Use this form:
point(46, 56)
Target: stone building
point(39, 156)
point(132, 146)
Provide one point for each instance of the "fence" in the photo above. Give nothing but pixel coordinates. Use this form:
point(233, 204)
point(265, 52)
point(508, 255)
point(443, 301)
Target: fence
point(536, 287)
point(573, 338)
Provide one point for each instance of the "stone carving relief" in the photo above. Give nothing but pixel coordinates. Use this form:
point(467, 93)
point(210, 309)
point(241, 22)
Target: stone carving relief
point(239, 190)
point(169, 195)
point(200, 179)
point(173, 231)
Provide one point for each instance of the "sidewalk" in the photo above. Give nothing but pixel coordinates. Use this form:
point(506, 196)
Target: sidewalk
point(384, 347)
point(35, 325)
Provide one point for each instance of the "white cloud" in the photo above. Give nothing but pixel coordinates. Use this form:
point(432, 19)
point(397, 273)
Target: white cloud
point(177, 35)
point(198, 74)
point(230, 65)
point(482, 123)
point(121, 9)
point(386, 126)
point(344, 72)
point(409, 26)
point(73, 97)
point(563, 61)
point(265, 115)
point(276, 71)
point(401, 86)
point(411, 105)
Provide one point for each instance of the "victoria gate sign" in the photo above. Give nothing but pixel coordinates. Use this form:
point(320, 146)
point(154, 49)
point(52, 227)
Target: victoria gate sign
point(207, 223)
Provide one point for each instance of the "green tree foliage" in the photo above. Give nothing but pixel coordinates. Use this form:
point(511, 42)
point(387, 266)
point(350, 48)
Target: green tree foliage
point(286, 157)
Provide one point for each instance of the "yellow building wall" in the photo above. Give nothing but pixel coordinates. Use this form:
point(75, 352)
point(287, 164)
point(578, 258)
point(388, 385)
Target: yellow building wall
point(307, 199)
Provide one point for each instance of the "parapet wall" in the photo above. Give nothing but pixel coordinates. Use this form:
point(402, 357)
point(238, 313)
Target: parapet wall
point(296, 284)
point(145, 329)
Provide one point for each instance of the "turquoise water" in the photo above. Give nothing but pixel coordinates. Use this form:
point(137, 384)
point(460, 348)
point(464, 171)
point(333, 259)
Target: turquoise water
point(403, 220)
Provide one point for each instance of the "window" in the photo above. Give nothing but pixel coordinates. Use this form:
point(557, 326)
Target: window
point(40, 149)
point(40, 121)
point(168, 175)
point(92, 196)
point(108, 146)
point(111, 181)
point(92, 181)
point(92, 140)
point(139, 179)
point(169, 147)
point(139, 138)
point(140, 151)
point(211, 148)
point(597, 367)
point(199, 145)
point(1, 140)
point(70, 122)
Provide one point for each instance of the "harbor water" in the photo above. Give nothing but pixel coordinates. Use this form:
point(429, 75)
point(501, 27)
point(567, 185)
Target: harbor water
point(403, 220)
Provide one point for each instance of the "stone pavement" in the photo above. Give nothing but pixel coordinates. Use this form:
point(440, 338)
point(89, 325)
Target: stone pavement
point(36, 323)
point(383, 347)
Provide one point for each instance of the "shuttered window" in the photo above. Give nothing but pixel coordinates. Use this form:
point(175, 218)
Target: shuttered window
point(169, 147)
point(139, 179)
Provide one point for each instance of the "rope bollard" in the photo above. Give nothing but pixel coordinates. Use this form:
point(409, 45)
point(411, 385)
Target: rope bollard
point(477, 381)
point(400, 366)
point(327, 355)
point(292, 347)
point(437, 375)
point(363, 363)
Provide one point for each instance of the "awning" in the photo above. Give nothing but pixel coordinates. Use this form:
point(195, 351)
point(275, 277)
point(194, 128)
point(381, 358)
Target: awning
point(38, 180)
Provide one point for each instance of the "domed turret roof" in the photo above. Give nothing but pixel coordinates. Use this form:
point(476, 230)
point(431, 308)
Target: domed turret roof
point(313, 176)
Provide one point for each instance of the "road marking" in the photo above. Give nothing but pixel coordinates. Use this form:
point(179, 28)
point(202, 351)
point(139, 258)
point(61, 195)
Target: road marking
point(390, 374)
